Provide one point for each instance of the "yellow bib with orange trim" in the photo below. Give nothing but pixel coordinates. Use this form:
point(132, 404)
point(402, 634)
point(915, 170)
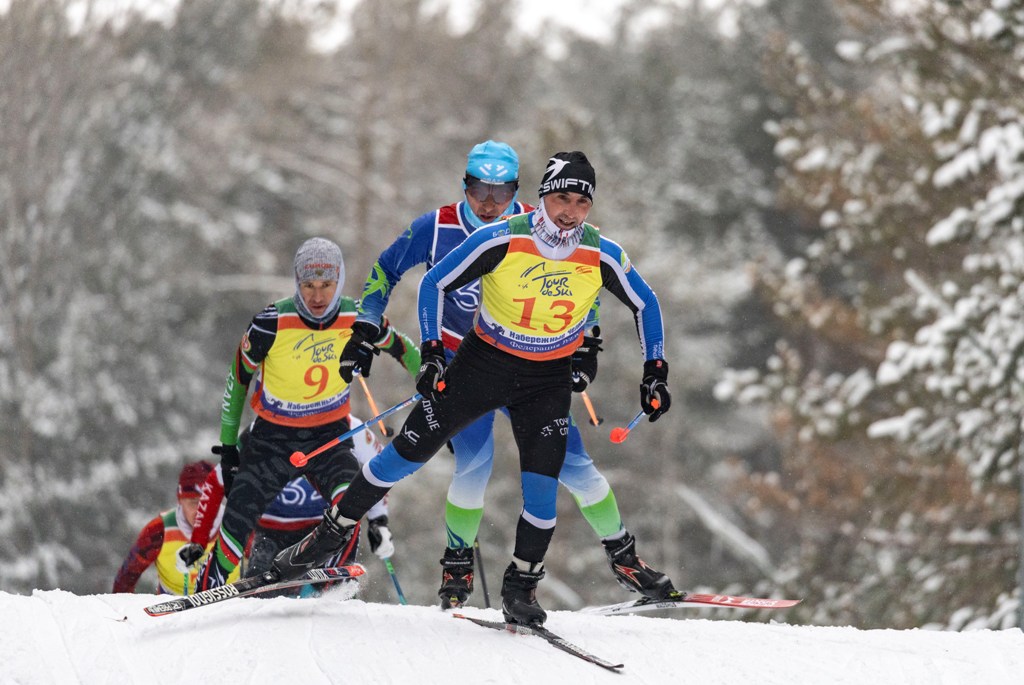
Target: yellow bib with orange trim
point(535, 307)
point(299, 383)
point(170, 578)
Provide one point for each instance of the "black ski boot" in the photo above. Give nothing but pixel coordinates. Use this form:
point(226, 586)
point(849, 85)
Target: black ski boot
point(519, 595)
point(456, 577)
point(327, 539)
point(632, 573)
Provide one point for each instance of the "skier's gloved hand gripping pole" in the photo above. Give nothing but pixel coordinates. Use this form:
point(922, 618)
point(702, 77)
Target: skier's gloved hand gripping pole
point(229, 464)
point(584, 369)
point(655, 398)
point(433, 365)
point(298, 459)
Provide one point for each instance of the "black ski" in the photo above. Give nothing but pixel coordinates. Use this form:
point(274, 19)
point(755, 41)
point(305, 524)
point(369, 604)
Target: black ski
point(249, 587)
point(552, 639)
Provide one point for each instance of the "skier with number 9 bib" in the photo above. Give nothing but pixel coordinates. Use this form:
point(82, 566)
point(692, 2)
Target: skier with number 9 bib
point(291, 348)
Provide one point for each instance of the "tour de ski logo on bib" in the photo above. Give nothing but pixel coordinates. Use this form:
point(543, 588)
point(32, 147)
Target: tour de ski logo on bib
point(552, 284)
point(319, 351)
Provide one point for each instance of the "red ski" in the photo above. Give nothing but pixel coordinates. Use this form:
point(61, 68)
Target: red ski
point(682, 600)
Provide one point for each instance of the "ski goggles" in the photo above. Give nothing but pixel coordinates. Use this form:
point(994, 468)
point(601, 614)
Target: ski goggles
point(499, 193)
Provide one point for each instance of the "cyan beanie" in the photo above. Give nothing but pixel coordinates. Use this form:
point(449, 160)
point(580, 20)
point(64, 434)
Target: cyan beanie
point(493, 162)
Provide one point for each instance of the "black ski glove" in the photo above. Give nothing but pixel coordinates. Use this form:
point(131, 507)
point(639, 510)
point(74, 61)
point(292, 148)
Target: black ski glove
point(359, 351)
point(655, 398)
point(584, 361)
point(379, 535)
point(188, 555)
point(229, 462)
point(430, 381)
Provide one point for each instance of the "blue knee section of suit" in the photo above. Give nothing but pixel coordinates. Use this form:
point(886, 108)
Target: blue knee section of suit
point(474, 446)
point(578, 472)
point(584, 481)
point(540, 494)
point(474, 460)
point(574, 442)
point(390, 467)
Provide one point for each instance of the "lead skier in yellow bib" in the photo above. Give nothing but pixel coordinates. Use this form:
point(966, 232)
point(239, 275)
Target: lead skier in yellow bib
point(540, 273)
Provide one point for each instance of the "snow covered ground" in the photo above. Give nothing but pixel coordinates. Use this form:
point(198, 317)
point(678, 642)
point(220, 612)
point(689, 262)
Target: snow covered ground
point(61, 638)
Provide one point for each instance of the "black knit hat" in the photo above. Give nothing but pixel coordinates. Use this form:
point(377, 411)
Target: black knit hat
point(568, 172)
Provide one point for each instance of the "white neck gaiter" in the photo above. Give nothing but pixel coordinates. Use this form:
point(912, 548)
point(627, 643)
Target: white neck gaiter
point(552, 242)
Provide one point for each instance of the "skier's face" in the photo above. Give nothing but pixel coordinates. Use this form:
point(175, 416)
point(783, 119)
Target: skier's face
point(317, 295)
point(489, 200)
point(189, 506)
point(567, 210)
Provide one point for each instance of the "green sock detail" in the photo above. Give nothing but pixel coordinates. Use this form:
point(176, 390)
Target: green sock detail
point(604, 516)
point(462, 525)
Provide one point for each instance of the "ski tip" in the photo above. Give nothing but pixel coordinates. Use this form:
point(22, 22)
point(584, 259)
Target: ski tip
point(618, 435)
point(736, 602)
point(163, 609)
point(345, 572)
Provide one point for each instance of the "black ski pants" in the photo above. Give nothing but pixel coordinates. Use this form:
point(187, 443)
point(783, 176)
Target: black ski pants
point(480, 379)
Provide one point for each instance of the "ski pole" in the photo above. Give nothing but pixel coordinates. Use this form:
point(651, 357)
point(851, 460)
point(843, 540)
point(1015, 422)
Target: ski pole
point(620, 434)
point(483, 578)
point(394, 579)
point(298, 459)
point(384, 430)
point(595, 420)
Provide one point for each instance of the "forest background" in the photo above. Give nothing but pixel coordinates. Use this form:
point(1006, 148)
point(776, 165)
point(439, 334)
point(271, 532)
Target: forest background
point(825, 195)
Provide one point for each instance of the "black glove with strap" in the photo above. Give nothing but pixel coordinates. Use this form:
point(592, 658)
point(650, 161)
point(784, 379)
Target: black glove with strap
point(359, 351)
point(229, 462)
point(188, 555)
point(584, 361)
point(655, 398)
point(433, 364)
